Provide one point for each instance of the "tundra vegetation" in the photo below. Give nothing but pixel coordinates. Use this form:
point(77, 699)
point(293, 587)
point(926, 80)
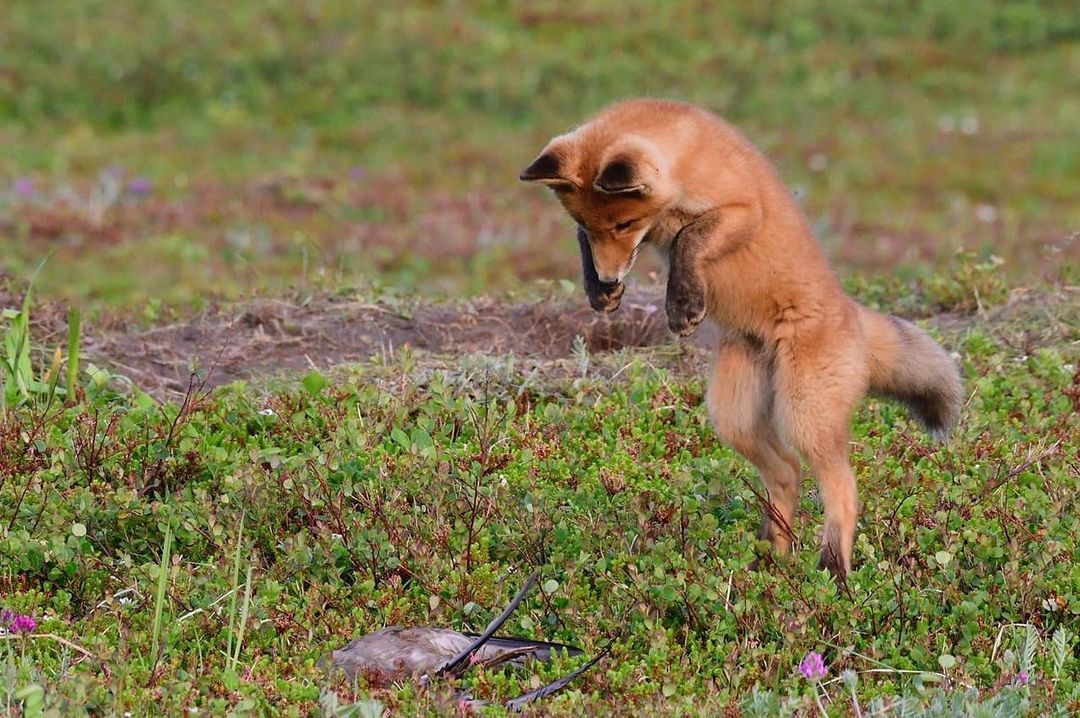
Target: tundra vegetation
point(288, 355)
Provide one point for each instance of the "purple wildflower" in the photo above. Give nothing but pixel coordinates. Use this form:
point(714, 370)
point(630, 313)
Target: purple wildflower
point(1022, 678)
point(140, 186)
point(813, 667)
point(23, 624)
point(357, 173)
point(7, 616)
point(24, 187)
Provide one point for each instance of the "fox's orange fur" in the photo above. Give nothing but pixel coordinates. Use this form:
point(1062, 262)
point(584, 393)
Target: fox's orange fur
point(797, 355)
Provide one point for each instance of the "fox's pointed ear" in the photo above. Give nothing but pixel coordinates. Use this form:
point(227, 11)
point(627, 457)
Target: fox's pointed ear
point(556, 167)
point(620, 176)
point(633, 166)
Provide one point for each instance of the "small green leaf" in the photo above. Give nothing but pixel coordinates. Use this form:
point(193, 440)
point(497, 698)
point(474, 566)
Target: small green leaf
point(422, 439)
point(943, 558)
point(313, 382)
point(550, 585)
point(946, 661)
point(33, 698)
point(78, 530)
point(401, 439)
point(369, 709)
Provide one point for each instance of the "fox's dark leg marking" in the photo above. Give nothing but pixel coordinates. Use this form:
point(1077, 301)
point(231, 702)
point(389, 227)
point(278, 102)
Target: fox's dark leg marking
point(603, 296)
point(831, 556)
point(686, 287)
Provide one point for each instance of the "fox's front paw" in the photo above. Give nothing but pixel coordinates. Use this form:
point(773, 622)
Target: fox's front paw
point(606, 297)
point(685, 311)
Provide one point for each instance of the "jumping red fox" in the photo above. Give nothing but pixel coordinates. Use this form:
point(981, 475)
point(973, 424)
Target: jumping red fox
point(797, 354)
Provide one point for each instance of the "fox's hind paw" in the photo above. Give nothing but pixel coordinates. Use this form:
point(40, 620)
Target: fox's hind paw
point(606, 298)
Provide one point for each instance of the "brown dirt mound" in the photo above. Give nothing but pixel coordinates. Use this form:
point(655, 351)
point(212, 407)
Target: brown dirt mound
point(273, 335)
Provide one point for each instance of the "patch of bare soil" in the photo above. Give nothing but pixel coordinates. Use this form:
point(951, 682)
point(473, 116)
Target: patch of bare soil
point(275, 336)
point(272, 336)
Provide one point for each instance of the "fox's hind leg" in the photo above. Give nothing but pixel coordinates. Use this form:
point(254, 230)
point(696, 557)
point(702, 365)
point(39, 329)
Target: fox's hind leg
point(817, 387)
point(739, 401)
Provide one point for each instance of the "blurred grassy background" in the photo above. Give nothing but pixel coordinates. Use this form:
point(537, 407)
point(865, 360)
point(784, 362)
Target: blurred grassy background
point(166, 151)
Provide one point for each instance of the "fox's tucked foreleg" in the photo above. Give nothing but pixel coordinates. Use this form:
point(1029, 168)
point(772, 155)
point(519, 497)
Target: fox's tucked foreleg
point(603, 296)
point(686, 285)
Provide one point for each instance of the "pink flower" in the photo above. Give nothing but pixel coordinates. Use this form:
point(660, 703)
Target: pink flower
point(1022, 678)
point(140, 186)
point(23, 624)
point(813, 667)
point(24, 187)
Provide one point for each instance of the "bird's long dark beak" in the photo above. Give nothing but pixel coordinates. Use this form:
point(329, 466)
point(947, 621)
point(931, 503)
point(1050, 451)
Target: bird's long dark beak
point(457, 665)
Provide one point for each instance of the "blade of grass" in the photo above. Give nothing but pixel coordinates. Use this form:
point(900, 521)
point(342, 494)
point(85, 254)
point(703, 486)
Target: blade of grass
point(20, 375)
point(5, 373)
point(19, 351)
point(52, 378)
point(244, 609)
point(17, 346)
point(73, 352)
point(159, 601)
point(235, 585)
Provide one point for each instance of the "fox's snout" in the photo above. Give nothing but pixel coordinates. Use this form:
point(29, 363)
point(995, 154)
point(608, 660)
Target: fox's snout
point(610, 279)
point(611, 260)
point(611, 274)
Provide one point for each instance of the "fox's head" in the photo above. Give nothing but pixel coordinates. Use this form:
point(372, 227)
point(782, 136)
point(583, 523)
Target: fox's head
point(616, 191)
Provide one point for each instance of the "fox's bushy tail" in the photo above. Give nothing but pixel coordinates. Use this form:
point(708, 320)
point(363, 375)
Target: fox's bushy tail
point(907, 365)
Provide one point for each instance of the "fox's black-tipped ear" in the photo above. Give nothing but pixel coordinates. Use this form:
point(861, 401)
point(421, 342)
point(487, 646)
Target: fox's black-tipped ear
point(555, 166)
point(620, 176)
point(548, 169)
point(634, 166)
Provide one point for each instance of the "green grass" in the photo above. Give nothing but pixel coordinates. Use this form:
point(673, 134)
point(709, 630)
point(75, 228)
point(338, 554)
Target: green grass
point(203, 557)
point(364, 497)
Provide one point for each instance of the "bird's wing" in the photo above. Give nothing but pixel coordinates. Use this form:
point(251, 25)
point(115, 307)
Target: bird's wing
point(529, 649)
point(461, 661)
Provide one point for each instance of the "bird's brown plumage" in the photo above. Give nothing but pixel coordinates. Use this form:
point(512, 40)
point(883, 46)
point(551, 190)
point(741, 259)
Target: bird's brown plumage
point(395, 653)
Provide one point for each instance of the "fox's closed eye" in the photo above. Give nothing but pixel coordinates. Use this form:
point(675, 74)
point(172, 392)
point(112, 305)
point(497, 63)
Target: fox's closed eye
point(623, 226)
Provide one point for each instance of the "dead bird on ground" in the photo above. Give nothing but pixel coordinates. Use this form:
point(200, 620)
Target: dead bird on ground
point(427, 653)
